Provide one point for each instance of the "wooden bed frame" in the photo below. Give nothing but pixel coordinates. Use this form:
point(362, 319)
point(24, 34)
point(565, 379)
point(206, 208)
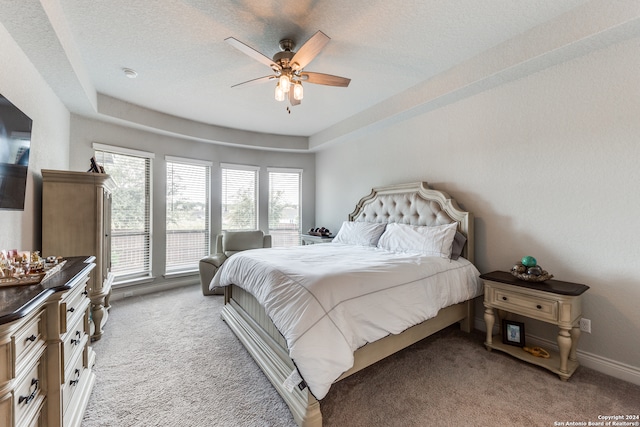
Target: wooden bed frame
point(414, 204)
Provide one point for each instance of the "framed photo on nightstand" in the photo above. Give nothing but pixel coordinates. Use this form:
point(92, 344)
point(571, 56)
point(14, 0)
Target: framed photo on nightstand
point(513, 333)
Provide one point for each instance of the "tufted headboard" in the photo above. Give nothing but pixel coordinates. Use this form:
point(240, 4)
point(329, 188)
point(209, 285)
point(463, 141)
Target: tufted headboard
point(415, 204)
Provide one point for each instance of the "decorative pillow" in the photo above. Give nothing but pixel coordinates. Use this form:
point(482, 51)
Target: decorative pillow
point(432, 241)
point(459, 241)
point(359, 233)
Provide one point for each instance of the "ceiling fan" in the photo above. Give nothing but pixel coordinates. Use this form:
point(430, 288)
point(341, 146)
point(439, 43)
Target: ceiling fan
point(288, 67)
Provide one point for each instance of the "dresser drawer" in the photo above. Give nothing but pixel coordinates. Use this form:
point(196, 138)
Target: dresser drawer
point(73, 306)
point(526, 305)
point(73, 380)
point(74, 341)
point(38, 419)
point(29, 337)
point(29, 394)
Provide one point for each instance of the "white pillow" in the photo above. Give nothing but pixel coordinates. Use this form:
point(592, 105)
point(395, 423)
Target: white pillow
point(359, 233)
point(432, 241)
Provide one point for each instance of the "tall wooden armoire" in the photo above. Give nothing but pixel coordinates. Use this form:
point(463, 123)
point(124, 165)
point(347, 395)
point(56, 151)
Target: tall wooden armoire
point(76, 221)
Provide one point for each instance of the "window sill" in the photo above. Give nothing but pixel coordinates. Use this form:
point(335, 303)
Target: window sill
point(133, 282)
point(176, 274)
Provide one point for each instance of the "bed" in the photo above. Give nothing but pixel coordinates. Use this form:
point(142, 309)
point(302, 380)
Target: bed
point(252, 309)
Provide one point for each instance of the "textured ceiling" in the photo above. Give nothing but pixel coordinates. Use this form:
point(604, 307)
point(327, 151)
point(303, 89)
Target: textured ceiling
point(185, 68)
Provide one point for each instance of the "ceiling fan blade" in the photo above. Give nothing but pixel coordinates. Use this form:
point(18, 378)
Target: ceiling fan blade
point(309, 50)
point(325, 79)
point(248, 50)
point(292, 100)
point(256, 81)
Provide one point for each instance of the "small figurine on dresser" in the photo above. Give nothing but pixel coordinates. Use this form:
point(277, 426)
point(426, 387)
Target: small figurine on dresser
point(26, 267)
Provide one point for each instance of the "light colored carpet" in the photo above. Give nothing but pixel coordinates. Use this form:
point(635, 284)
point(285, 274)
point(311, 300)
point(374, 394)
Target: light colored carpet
point(167, 359)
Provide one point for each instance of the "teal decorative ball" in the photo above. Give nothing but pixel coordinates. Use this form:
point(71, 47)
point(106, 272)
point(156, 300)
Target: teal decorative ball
point(529, 261)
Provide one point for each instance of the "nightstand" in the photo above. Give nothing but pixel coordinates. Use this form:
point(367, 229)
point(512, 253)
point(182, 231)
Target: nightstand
point(551, 301)
point(308, 239)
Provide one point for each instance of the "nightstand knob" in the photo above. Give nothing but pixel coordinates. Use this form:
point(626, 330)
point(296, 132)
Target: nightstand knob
point(538, 306)
point(504, 298)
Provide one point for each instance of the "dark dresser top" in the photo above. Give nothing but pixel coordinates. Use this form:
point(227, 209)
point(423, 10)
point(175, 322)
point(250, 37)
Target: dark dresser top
point(18, 301)
point(553, 286)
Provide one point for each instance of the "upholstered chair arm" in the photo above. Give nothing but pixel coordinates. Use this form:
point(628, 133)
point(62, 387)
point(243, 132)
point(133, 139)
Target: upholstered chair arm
point(215, 260)
point(207, 268)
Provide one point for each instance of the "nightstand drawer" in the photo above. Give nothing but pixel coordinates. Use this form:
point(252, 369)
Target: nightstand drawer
point(526, 305)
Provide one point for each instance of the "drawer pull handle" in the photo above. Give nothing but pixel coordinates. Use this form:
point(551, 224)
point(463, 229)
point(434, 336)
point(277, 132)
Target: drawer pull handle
point(75, 342)
point(71, 310)
point(32, 338)
point(504, 298)
point(539, 307)
point(28, 399)
point(75, 382)
point(78, 334)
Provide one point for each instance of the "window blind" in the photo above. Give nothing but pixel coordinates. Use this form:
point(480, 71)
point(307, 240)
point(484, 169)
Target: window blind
point(239, 197)
point(187, 214)
point(130, 210)
point(284, 206)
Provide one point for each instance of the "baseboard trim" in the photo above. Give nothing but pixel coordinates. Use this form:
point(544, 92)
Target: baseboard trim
point(118, 293)
point(598, 363)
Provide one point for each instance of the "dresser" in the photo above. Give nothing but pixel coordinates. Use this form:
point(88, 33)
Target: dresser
point(76, 220)
point(552, 301)
point(46, 362)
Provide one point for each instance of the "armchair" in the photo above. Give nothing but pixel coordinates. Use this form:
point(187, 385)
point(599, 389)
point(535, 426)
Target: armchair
point(227, 244)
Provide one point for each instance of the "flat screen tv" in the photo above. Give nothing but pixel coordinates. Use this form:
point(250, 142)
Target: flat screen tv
point(15, 143)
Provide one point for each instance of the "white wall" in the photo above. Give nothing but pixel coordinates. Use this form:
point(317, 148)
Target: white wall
point(85, 131)
point(21, 83)
point(549, 166)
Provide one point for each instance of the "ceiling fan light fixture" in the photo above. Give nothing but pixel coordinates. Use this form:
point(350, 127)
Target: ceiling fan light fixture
point(279, 93)
point(298, 91)
point(288, 67)
point(285, 82)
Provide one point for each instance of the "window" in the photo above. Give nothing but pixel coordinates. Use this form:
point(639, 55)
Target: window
point(284, 206)
point(187, 213)
point(130, 210)
point(239, 197)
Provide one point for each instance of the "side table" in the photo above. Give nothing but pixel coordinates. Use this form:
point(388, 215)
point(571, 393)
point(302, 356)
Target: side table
point(308, 239)
point(551, 301)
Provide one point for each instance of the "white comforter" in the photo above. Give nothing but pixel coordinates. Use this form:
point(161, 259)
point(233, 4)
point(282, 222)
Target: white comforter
point(328, 300)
